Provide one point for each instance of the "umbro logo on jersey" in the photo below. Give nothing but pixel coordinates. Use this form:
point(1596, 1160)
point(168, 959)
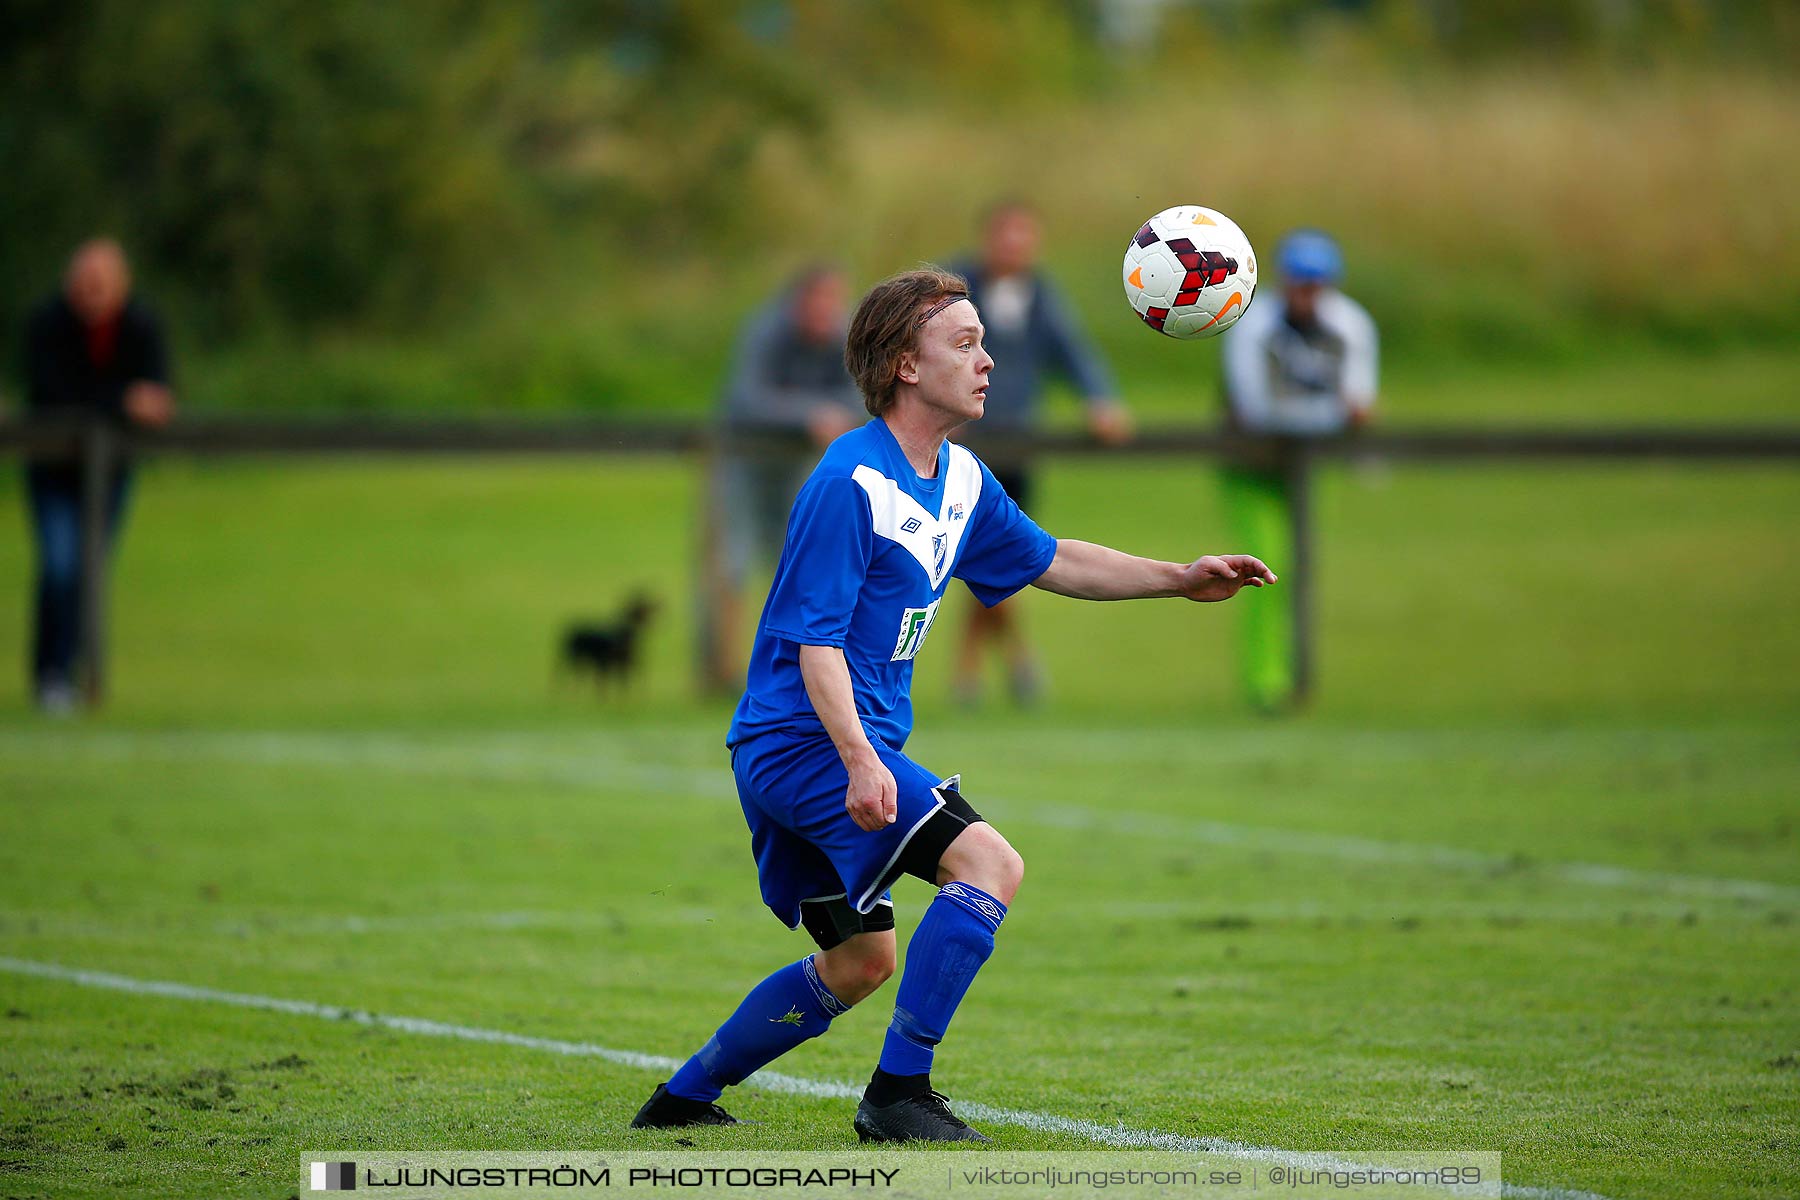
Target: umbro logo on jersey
point(896, 514)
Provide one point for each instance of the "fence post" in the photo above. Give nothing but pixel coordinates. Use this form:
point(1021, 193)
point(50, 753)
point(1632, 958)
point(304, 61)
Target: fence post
point(712, 674)
point(97, 457)
point(1297, 468)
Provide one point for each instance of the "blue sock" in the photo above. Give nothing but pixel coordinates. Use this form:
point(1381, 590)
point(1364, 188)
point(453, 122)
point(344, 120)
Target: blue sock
point(787, 1008)
point(954, 938)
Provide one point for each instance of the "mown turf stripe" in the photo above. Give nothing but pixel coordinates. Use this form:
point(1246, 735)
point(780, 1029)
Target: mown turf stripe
point(1122, 1136)
point(511, 764)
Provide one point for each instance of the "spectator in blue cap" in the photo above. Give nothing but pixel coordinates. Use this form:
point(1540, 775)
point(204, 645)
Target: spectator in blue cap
point(1301, 364)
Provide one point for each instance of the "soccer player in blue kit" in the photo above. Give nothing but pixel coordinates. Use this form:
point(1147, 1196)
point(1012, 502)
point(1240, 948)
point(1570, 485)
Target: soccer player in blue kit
point(837, 811)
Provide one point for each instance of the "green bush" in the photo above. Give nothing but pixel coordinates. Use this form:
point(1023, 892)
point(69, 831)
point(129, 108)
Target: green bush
point(490, 203)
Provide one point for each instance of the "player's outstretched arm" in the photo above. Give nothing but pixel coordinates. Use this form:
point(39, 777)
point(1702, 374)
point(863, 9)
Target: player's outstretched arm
point(1090, 572)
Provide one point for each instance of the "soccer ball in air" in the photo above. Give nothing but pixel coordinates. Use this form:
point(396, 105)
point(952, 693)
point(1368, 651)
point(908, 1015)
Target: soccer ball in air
point(1190, 272)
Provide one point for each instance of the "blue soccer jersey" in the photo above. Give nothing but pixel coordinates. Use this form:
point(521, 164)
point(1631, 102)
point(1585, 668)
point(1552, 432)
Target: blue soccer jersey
point(870, 550)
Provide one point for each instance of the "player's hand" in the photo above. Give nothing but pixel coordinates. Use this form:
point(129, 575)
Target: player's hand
point(1219, 576)
point(872, 799)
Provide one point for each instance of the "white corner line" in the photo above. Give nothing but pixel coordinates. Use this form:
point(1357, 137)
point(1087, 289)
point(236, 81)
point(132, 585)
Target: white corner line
point(1120, 1135)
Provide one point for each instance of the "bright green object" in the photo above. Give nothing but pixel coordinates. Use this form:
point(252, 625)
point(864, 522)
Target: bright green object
point(1259, 506)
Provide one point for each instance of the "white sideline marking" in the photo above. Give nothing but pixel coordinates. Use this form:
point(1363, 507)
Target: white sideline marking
point(515, 760)
point(354, 924)
point(1123, 1136)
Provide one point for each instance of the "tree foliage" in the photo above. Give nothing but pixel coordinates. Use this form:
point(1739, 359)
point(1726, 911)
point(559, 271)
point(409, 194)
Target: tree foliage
point(361, 164)
point(342, 160)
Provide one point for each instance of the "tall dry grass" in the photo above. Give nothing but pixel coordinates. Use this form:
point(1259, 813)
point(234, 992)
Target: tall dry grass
point(1520, 218)
point(1665, 203)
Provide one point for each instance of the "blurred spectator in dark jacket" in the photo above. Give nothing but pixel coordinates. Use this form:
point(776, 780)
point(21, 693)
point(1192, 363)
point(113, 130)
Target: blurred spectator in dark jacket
point(92, 350)
point(787, 379)
point(1031, 336)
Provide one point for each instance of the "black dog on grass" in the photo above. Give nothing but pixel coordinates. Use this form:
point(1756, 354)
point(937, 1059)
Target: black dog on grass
point(608, 649)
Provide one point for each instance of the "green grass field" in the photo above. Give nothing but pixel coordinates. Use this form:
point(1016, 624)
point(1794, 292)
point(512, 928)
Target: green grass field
point(1527, 879)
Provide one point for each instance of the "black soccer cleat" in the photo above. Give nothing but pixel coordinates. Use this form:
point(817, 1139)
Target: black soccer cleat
point(922, 1118)
point(665, 1111)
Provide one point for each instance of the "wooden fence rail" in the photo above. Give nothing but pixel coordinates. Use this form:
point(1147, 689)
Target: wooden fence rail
point(99, 445)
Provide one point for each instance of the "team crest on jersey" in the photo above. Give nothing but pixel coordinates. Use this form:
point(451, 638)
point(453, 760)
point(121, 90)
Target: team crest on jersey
point(915, 623)
point(940, 547)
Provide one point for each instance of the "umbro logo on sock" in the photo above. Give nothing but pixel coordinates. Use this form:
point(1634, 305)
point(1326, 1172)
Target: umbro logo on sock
point(979, 901)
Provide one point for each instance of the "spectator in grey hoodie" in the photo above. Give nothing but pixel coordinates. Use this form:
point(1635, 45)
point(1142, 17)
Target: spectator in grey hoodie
point(787, 377)
point(1032, 337)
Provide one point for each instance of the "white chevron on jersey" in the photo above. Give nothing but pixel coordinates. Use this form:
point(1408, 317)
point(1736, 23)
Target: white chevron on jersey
point(905, 522)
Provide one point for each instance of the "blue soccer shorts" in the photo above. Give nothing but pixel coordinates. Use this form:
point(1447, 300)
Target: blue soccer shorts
point(816, 866)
